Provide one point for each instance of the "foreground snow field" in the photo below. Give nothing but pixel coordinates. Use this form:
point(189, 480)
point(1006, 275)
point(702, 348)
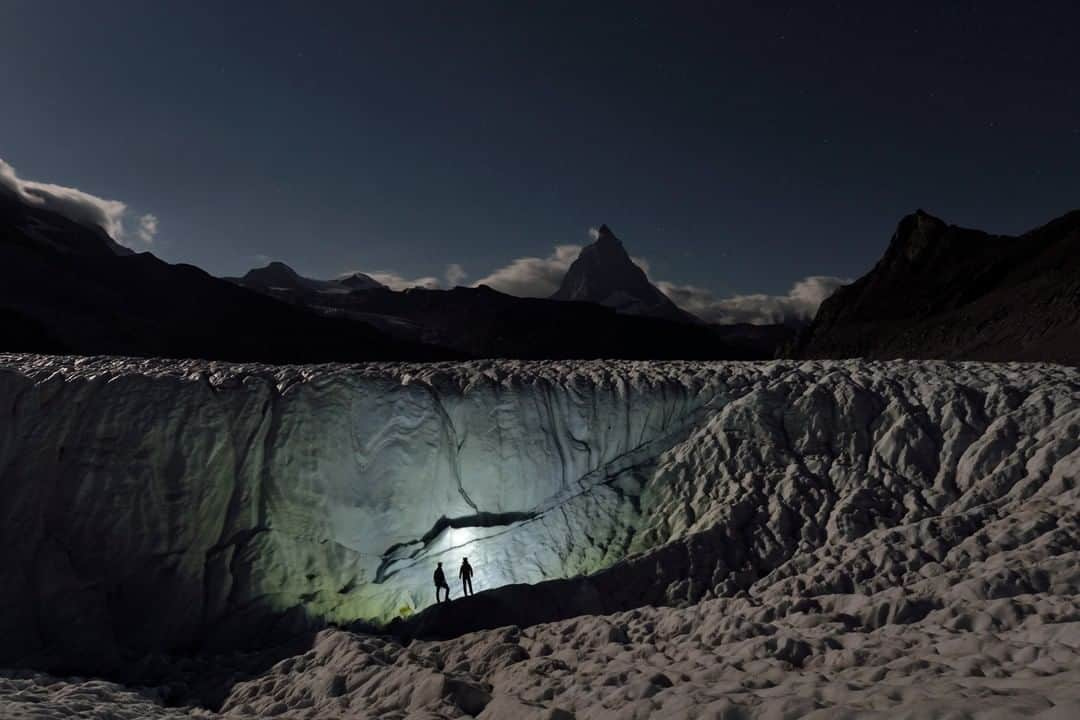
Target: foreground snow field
point(988, 651)
point(825, 535)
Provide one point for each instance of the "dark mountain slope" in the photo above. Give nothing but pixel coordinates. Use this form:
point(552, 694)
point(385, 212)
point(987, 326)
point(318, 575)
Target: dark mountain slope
point(606, 308)
point(65, 288)
point(941, 291)
point(277, 276)
point(485, 323)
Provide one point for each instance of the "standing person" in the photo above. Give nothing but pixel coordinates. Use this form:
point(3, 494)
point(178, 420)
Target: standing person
point(466, 576)
point(440, 584)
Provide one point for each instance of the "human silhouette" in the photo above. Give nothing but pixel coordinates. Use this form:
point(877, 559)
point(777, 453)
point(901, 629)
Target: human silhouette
point(440, 584)
point(466, 576)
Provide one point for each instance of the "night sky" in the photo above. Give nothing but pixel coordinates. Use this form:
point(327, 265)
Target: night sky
point(738, 147)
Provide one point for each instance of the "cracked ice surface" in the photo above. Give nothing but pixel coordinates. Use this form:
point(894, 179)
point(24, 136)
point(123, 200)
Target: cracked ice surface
point(154, 503)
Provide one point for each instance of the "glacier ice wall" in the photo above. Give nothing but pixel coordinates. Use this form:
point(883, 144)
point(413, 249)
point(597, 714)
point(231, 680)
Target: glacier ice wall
point(170, 504)
point(154, 504)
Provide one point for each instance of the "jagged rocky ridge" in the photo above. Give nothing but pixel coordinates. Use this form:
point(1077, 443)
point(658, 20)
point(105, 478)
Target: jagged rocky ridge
point(947, 292)
point(172, 505)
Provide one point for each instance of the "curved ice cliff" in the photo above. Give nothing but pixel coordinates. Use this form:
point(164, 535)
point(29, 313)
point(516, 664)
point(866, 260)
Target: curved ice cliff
point(152, 504)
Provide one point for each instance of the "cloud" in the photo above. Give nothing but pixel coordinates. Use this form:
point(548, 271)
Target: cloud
point(394, 281)
point(533, 276)
point(798, 306)
point(542, 276)
point(455, 274)
point(148, 228)
point(642, 263)
point(77, 206)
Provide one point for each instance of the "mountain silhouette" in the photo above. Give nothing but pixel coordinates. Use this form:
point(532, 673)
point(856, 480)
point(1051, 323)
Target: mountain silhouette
point(942, 291)
point(279, 276)
point(605, 274)
point(69, 288)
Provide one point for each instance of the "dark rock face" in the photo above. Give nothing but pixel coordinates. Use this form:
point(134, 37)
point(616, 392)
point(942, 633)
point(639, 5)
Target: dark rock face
point(604, 274)
point(946, 292)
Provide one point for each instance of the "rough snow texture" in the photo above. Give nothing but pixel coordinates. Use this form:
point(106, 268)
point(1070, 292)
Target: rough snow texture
point(746, 658)
point(167, 504)
point(25, 695)
point(830, 656)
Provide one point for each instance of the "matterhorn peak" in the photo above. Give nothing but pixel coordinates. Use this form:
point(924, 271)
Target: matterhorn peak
point(606, 239)
point(605, 274)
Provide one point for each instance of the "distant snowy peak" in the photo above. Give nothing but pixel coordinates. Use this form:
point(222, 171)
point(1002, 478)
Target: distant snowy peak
point(605, 274)
point(360, 281)
point(279, 276)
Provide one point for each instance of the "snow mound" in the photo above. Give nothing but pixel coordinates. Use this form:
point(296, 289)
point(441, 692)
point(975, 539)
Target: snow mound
point(837, 656)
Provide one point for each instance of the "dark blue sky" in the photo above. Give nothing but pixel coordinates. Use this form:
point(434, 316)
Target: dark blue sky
point(737, 146)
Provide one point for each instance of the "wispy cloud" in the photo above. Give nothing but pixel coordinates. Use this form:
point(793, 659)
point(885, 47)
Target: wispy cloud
point(798, 305)
point(541, 277)
point(147, 229)
point(79, 206)
point(395, 281)
point(455, 275)
point(533, 276)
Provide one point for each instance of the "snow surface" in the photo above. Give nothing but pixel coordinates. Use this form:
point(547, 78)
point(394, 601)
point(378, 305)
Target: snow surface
point(990, 651)
point(867, 536)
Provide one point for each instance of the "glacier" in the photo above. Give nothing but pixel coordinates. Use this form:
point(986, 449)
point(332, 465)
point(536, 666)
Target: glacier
point(176, 505)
